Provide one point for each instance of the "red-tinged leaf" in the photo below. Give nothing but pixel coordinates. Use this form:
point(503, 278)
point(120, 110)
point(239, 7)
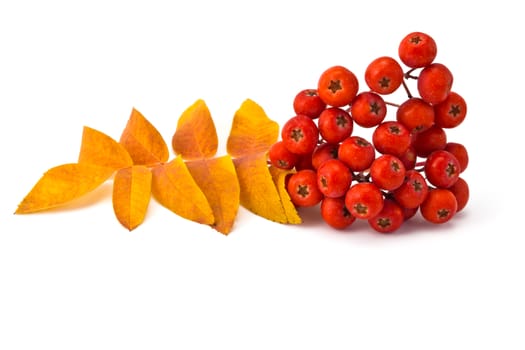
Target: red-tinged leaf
point(217, 179)
point(174, 188)
point(131, 195)
point(99, 149)
point(143, 141)
point(252, 131)
point(196, 136)
point(62, 184)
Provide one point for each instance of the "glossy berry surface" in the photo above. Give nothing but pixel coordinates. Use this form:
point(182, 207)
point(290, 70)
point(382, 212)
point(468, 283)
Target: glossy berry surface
point(368, 109)
point(281, 157)
point(430, 140)
point(335, 125)
point(387, 172)
point(451, 112)
point(335, 213)
point(357, 153)
point(364, 200)
point(389, 219)
point(303, 190)
point(434, 83)
point(323, 152)
point(391, 137)
point(417, 50)
point(307, 102)
point(384, 75)
point(442, 169)
point(416, 115)
point(412, 191)
point(439, 206)
point(462, 193)
point(300, 134)
point(337, 86)
point(333, 178)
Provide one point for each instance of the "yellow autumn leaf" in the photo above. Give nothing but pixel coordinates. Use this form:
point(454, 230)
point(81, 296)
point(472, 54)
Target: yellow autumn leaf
point(279, 178)
point(195, 136)
point(62, 184)
point(131, 195)
point(252, 131)
point(251, 136)
point(217, 179)
point(99, 149)
point(143, 141)
point(174, 188)
point(258, 191)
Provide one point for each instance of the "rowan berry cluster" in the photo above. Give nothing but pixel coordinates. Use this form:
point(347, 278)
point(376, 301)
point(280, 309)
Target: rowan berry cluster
point(405, 166)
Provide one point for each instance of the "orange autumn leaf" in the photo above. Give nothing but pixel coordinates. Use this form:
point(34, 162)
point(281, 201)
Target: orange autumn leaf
point(62, 184)
point(131, 195)
point(196, 141)
point(251, 136)
point(174, 188)
point(196, 136)
point(279, 178)
point(218, 181)
point(143, 141)
point(99, 149)
point(252, 131)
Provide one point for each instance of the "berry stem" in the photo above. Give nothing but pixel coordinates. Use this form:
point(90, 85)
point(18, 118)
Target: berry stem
point(361, 177)
point(407, 89)
point(392, 104)
point(408, 74)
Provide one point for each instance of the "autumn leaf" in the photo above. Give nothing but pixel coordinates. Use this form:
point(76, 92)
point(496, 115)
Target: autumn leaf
point(251, 136)
point(174, 188)
point(62, 184)
point(279, 179)
point(252, 131)
point(218, 180)
point(99, 149)
point(195, 140)
point(196, 136)
point(131, 195)
point(143, 141)
point(258, 191)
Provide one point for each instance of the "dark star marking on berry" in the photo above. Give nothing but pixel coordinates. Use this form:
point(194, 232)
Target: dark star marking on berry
point(383, 222)
point(360, 208)
point(454, 110)
point(418, 186)
point(341, 120)
point(302, 190)
point(443, 213)
point(335, 85)
point(384, 83)
point(415, 39)
point(451, 170)
point(395, 166)
point(374, 108)
point(394, 129)
point(297, 135)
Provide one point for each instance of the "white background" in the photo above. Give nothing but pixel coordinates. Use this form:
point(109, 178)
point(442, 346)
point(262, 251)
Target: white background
point(74, 278)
